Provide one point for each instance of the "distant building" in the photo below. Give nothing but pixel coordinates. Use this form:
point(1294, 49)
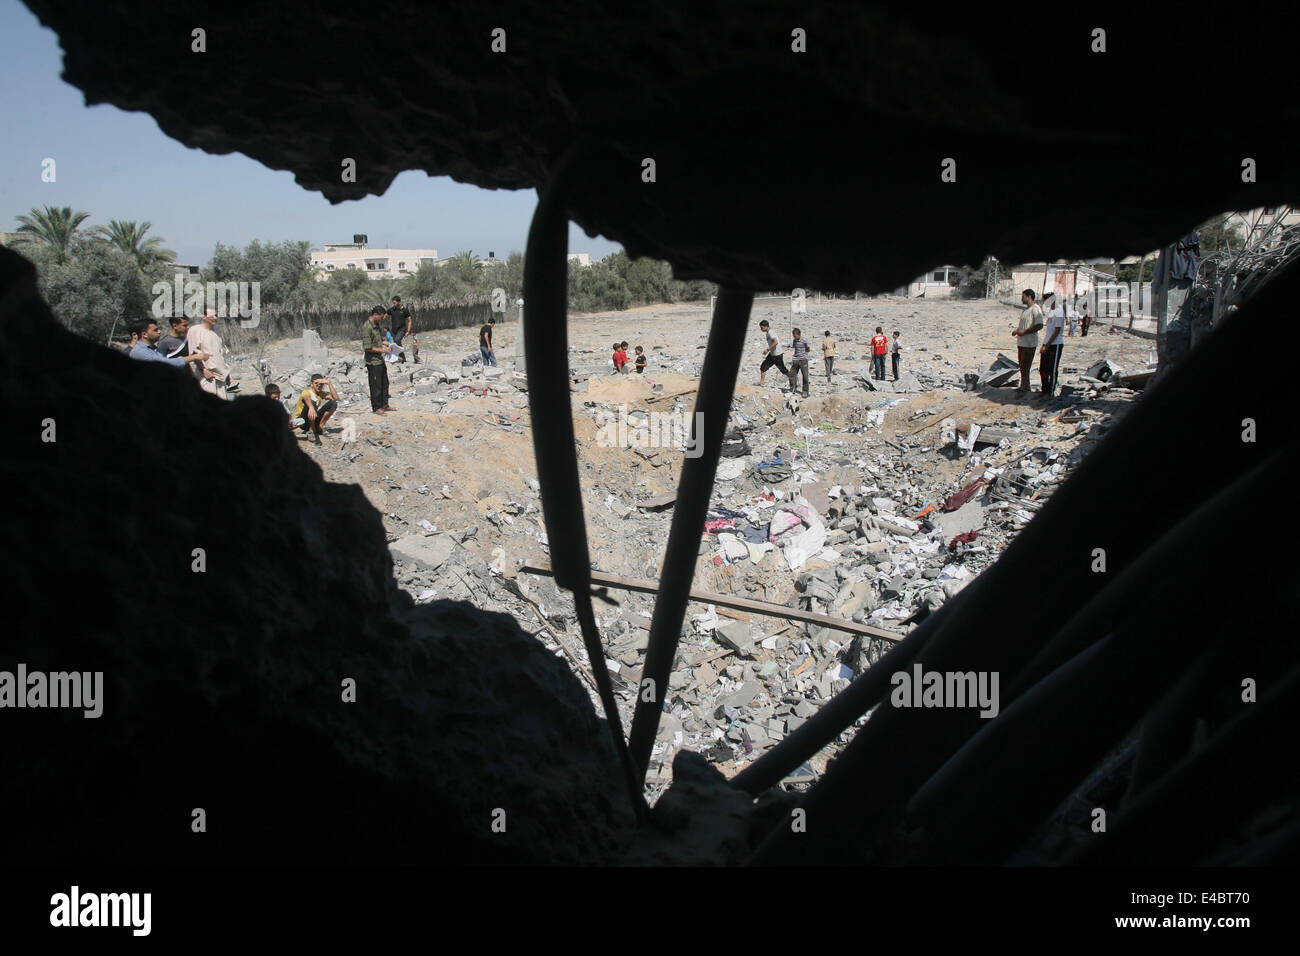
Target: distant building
point(581, 258)
point(187, 271)
point(1255, 221)
point(375, 263)
point(9, 238)
point(935, 284)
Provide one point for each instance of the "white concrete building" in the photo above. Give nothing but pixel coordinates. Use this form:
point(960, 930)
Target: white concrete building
point(375, 263)
point(935, 284)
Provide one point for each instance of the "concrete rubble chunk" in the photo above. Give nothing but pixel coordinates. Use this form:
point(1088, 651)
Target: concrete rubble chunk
point(735, 634)
point(425, 553)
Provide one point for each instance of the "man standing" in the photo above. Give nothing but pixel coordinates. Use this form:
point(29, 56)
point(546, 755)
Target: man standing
point(374, 348)
point(1085, 321)
point(828, 352)
point(1049, 360)
point(879, 345)
point(147, 335)
point(799, 348)
point(1031, 320)
point(485, 343)
point(771, 355)
point(895, 347)
point(399, 323)
point(174, 343)
point(214, 369)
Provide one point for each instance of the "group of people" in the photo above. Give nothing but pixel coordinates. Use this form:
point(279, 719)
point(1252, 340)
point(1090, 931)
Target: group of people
point(198, 348)
point(882, 346)
point(1053, 325)
point(620, 359)
point(774, 355)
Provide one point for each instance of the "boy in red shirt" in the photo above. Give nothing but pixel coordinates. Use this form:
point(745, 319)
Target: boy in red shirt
point(879, 346)
point(620, 357)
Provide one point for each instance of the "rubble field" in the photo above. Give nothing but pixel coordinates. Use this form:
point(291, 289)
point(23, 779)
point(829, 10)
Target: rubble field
point(871, 502)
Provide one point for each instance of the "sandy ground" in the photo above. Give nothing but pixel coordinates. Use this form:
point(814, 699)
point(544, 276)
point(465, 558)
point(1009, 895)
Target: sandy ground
point(463, 463)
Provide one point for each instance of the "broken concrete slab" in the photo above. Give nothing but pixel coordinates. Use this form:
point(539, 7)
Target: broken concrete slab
point(969, 517)
point(425, 553)
point(735, 634)
point(907, 382)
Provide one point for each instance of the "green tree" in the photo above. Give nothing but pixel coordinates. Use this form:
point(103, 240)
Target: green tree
point(422, 283)
point(465, 269)
point(282, 269)
point(93, 293)
point(129, 237)
point(1221, 234)
point(54, 228)
point(1129, 272)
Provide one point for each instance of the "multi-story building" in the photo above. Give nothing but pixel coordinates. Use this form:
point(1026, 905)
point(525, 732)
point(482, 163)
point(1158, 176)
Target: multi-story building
point(375, 263)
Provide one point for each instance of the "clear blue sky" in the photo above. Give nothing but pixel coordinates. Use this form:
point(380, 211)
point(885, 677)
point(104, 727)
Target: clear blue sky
point(119, 165)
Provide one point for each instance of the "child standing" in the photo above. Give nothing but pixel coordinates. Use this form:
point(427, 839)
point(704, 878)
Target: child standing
point(640, 360)
point(828, 352)
point(619, 357)
point(894, 348)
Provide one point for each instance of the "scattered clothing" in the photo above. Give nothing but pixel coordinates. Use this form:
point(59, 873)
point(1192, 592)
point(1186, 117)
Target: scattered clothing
point(966, 494)
point(966, 537)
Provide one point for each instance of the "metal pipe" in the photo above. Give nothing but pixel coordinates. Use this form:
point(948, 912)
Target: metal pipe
point(713, 401)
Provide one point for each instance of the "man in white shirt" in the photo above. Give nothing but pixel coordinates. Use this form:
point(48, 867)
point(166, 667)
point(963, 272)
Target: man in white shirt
point(1049, 361)
point(1026, 332)
point(214, 369)
point(771, 354)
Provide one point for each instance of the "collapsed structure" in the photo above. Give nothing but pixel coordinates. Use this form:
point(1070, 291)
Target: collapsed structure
point(1117, 689)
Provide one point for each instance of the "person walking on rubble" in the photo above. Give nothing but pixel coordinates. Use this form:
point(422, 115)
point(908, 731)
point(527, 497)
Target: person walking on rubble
point(799, 363)
point(828, 352)
point(771, 354)
point(1031, 320)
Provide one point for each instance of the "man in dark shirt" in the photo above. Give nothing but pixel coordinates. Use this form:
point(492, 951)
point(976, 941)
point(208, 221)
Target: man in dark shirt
point(146, 348)
point(375, 348)
point(399, 323)
point(485, 343)
point(175, 344)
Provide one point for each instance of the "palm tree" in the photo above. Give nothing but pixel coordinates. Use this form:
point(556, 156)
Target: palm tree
point(130, 238)
point(56, 228)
